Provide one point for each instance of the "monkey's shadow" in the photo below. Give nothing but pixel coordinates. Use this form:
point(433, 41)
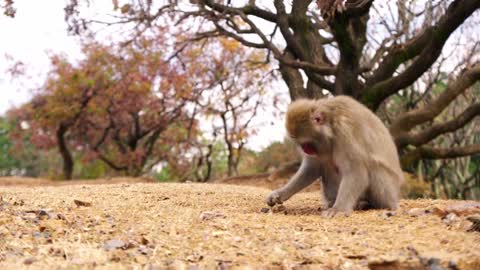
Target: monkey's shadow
point(297, 210)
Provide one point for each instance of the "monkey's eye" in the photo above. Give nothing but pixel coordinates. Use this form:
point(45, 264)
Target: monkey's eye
point(318, 118)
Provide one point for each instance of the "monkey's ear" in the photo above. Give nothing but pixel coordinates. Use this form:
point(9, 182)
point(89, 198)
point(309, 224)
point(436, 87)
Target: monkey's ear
point(318, 118)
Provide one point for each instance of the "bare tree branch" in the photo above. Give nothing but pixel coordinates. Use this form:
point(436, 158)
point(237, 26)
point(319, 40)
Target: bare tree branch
point(426, 47)
point(410, 119)
point(432, 132)
point(427, 152)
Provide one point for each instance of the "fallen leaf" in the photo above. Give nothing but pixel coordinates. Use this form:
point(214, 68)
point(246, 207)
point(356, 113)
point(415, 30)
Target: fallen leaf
point(439, 211)
point(144, 241)
point(475, 223)
point(416, 212)
point(42, 214)
point(144, 250)
point(194, 258)
point(356, 256)
point(82, 203)
point(209, 215)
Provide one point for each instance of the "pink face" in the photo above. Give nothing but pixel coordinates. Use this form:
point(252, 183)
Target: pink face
point(318, 120)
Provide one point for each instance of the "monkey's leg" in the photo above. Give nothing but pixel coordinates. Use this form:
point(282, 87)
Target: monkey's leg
point(384, 191)
point(353, 185)
point(307, 173)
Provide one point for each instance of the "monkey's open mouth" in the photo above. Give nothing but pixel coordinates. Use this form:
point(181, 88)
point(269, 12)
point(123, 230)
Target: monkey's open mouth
point(308, 148)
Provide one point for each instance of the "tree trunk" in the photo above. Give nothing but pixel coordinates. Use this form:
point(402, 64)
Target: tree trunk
point(65, 152)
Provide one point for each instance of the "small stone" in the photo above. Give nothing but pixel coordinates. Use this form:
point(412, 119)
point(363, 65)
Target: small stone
point(144, 241)
point(388, 214)
point(265, 210)
point(29, 261)
point(475, 220)
point(452, 265)
point(114, 244)
point(144, 250)
point(209, 215)
point(450, 219)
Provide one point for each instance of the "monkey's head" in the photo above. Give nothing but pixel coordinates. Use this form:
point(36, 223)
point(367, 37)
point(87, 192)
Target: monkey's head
point(308, 123)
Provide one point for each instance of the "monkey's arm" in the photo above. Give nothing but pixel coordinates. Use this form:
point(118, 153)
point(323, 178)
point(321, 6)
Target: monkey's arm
point(308, 172)
point(353, 184)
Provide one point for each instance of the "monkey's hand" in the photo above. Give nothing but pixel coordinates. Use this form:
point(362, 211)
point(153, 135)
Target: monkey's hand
point(334, 212)
point(274, 198)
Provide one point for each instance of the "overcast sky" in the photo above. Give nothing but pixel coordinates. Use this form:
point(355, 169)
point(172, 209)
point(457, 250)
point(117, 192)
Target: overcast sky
point(38, 27)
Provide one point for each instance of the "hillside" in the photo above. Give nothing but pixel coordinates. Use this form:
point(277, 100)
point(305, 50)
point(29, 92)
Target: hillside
point(220, 226)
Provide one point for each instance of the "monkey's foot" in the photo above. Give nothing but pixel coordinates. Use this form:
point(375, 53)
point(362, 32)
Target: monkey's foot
point(333, 212)
point(274, 198)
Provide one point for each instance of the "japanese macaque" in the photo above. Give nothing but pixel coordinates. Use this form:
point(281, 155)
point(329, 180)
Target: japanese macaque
point(349, 148)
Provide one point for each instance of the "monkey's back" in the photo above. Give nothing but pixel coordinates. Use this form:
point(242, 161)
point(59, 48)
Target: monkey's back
point(356, 123)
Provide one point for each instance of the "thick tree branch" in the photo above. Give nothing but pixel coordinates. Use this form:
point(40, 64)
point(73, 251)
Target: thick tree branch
point(248, 10)
point(357, 8)
point(426, 47)
point(410, 119)
point(349, 31)
point(282, 21)
point(430, 133)
point(321, 82)
point(110, 163)
point(427, 152)
point(293, 78)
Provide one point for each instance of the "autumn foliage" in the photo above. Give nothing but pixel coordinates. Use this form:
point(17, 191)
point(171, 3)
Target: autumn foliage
point(138, 105)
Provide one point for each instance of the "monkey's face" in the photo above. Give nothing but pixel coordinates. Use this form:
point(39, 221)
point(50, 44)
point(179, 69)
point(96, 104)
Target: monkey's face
point(308, 125)
point(317, 141)
point(321, 120)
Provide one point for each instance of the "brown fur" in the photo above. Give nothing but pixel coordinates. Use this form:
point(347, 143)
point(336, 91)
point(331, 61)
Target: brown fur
point(298, 117)
point(355, 155)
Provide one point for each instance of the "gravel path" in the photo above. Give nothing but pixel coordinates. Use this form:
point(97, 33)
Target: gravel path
point(218, 226)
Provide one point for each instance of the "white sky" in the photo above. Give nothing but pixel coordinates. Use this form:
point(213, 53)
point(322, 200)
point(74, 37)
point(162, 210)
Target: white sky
point(39, 28)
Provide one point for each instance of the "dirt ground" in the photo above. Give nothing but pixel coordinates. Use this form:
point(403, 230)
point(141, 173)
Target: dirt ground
point(127, 224)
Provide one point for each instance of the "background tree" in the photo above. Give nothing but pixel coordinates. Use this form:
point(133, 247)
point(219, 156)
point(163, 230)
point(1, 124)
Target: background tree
point(276, 155)
point(235, 79)
point(137, 105)
point(115, 104)
point(8, 8)
point(60, 103)
point(237, 92)
point(372, 51)
point(142, 117)
point(8, 164)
